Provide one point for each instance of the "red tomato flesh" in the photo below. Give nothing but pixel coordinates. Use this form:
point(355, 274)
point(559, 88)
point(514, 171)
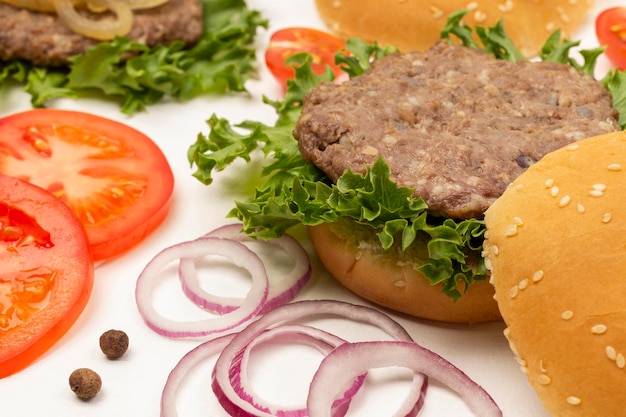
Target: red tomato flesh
point(611, 32)
point(113, 177)
point(46, 272)
point(289, 41)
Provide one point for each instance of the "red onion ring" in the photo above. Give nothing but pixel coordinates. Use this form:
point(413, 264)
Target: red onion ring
point(322, 341)
point(237, 252)
point(225, 366)
point(185, 365)
point(352, 359)
point(319, 339)
point(280, 292)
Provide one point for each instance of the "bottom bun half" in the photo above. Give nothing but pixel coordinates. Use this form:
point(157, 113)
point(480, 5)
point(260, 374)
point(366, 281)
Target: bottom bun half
point(556, 247)
point(393, 283)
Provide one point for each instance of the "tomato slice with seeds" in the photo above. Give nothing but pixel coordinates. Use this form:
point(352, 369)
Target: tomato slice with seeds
point(289, 41)
point(114, 178)
point(46, 272)
point(611, 32)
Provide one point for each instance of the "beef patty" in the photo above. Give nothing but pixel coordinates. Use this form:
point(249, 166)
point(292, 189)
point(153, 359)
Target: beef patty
point(44, 39)
point(453, 123)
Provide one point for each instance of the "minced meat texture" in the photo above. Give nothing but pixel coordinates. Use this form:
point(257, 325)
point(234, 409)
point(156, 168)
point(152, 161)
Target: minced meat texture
point(43, 39)
point(453, 123)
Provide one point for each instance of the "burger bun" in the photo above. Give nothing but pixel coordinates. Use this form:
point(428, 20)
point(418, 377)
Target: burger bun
point(390, 282)
point(414, 25)
point(556, 248)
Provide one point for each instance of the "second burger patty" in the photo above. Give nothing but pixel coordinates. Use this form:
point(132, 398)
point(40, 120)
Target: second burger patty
point(453, 123)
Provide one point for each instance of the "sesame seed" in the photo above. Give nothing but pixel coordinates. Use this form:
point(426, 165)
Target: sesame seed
point(549, 182)
point(573, 400)
point(554, 191)
point(573, 147)
point(580, 208)
point(399, 283)
point(542, 366)
point(436, 12)
point(599, 329)
point(614, 167)
point(494, 250)
point(565, 201)
point(606, 217)
point(513, 291)
point(544, 379)
point(538, 276)
point(480, 16)
point(611, 353)
point(518, 221)
point(596, 193)
point(600, 187)
point(567, 315)
point(488, 265)
point(511, 230)
point(523, 284)
point(620, 361)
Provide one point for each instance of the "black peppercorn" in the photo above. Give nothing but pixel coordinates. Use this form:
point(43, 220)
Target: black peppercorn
point(85, 383)
point(114, 343)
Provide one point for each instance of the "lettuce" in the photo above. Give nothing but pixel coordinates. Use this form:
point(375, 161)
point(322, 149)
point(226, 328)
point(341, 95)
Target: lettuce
point(294, 192)
point(220, 62)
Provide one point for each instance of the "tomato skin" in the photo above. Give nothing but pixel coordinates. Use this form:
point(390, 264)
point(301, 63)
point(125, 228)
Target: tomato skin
point(115, 178)
point(611, 32)
point(289, 41)
point(56, 263)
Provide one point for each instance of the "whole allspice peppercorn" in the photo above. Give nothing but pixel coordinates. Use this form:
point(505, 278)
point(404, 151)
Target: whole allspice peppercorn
point(85, 383)
point(114, 343)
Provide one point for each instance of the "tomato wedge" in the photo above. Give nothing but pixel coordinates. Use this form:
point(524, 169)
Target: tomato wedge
point(611, 32)
point(289, 41)
point(115, 179)
point(46, 272)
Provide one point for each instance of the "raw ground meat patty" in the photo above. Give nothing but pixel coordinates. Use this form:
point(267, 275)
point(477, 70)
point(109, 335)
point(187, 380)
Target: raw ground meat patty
point(44, 40)
point(453, 123)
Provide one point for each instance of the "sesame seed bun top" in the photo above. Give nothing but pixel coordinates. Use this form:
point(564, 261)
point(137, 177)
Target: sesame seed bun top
point(415, 24)
point(556, 248)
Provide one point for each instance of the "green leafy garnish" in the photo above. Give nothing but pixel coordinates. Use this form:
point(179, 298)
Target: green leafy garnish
point(293, 191)
point(220, 62)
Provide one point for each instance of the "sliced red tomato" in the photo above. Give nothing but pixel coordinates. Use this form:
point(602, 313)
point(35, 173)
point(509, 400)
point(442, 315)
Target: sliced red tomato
point(46, 272)
point(611, 32)
point(115, 179)
point(289, 41)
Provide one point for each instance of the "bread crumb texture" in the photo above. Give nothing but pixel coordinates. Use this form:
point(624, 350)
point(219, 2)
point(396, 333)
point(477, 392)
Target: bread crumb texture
point(556, 248)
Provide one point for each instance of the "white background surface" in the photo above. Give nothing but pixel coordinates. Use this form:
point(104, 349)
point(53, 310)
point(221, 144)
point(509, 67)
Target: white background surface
point(133, 384)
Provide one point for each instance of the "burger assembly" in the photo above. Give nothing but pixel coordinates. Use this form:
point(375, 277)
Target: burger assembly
point(48, 32)
point(393, 171)
point(133, 51)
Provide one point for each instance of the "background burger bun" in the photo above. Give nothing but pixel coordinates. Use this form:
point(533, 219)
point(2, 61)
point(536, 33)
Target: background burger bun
point(556, 247)
point(386, 282)
point(415, 25)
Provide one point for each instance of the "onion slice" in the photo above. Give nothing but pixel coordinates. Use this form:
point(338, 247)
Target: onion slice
point(353, 359)
point(237, 252)
point(321, 340)
point(223, 386)
point(281, 291)
point(100, 29)
point(185, 365)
